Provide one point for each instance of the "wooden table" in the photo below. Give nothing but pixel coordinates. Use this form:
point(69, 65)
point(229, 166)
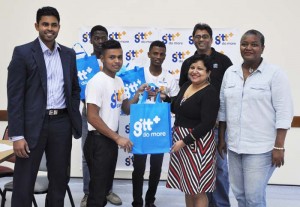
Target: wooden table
point(4, 155)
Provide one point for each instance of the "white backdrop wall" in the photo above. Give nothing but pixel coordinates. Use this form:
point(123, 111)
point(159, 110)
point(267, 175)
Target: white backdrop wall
point(278, 20)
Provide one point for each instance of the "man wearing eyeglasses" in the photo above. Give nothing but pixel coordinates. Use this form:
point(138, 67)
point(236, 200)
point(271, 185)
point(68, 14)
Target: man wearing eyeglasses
point(202, 37)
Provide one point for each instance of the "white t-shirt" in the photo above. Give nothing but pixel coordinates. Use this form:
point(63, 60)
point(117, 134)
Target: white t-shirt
point(108, 94)
point(100, 64)
point(165, 81)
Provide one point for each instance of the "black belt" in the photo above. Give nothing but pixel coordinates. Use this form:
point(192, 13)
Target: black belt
point(54, 112)
point(95, 132)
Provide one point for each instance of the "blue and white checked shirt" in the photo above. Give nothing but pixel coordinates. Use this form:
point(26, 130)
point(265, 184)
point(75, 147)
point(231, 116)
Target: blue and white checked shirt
point(254, 109)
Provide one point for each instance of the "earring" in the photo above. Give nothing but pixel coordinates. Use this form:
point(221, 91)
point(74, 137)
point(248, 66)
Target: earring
point(208, 79)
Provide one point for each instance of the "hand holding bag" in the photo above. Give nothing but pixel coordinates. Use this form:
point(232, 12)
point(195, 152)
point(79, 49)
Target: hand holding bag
point(150, 127)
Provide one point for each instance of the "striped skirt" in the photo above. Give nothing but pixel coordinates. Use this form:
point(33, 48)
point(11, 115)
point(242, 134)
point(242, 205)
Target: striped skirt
point(193, 168)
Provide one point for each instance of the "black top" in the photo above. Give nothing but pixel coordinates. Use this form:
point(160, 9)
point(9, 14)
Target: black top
point(198, 112)
point(220, 64)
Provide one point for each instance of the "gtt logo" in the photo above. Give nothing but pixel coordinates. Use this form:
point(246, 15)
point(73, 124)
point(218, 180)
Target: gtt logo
point(144, 126)
point(82, 75)
point(116, 35)
point(179, 56)
point(169, 37)
point(116, 99)
point(131, 88)
point(223, 38)
point(140, 36)
point(132, 54)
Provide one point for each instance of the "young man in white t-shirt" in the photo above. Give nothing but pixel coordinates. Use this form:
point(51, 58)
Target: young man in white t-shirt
point(169, 88)
point(99, 34)
point(105, 98)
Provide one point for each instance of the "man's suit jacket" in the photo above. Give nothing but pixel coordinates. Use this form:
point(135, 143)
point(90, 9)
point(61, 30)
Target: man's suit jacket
point(27, 91)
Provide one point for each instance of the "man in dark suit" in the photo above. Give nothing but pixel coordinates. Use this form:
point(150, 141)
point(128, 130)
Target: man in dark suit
point(43, 110)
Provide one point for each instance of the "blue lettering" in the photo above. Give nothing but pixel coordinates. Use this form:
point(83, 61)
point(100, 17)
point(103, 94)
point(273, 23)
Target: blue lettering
point(128, 55)
point(191, 41)
point(127, 129)
point(111, 36)
point(113, 101)
point(127, 161)
point(137, 38)
point(180, 55)
point(217, 40)
point(133, 53)
point(165, 39)
point(175, 57)
point(85, 37)
point(223, 37)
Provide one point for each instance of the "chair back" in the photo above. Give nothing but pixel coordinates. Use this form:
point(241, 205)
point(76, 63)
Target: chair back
point(6, 137)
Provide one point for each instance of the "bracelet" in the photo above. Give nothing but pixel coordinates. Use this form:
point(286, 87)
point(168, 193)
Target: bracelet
point(278, 148)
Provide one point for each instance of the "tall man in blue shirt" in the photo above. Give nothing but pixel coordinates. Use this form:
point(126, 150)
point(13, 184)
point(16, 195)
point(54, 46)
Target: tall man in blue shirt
point(43, 110)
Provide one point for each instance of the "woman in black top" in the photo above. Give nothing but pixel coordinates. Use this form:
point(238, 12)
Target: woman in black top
point(192, 161)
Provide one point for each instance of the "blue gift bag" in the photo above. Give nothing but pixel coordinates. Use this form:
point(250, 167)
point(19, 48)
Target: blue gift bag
point(87, 67)
point(132, 79)
point(150, 127)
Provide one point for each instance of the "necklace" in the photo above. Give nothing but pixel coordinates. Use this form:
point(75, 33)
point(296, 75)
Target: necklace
point(251, 70)
point(190, 90)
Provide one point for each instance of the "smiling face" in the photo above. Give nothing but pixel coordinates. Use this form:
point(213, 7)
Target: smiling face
point(48, 28)
point(202, 41)
point(112, 60)
point(198, 73)
point(251, 48)
point(157, 55)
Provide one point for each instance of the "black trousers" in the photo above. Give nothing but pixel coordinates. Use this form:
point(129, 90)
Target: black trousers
point(101, 155)
point(139, 164)
point(56, 141)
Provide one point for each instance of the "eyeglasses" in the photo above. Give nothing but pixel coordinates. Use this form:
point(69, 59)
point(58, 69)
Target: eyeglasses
point(198, 37)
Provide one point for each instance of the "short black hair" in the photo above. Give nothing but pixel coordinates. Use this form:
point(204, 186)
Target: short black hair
point(47, 11)
point(256, 33)
point(111, 44)
point(204, 58)
point(157, 43)
point(98, 28)
point(202, 26)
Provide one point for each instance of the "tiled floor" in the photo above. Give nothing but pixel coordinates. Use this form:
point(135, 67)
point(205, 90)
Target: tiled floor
point(277, 196)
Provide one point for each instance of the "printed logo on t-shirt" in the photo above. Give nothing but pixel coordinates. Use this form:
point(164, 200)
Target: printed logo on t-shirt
point(215, 65)
point(116, 98)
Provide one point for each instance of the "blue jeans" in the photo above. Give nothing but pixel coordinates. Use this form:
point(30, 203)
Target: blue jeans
point(249, 175)
point(220, 196)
